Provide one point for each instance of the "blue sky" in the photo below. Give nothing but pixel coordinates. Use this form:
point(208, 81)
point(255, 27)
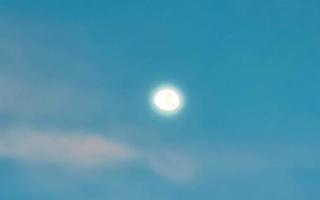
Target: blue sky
point(75, 84)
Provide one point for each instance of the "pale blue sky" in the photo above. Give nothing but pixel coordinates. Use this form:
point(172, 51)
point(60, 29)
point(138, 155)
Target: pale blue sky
point(75, 82)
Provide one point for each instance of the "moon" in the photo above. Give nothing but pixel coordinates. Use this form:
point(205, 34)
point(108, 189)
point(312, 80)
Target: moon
point(167, 99)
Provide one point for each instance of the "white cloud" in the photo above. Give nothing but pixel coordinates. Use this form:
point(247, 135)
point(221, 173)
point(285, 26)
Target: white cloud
point(70, 149)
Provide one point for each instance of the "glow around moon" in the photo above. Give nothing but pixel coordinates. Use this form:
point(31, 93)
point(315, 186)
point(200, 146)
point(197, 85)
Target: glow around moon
point(167, 100)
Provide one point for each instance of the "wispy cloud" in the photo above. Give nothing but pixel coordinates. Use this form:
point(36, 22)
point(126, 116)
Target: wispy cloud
point(175, 166)
point(92, 150)
point(71, 149)
point(84, 150)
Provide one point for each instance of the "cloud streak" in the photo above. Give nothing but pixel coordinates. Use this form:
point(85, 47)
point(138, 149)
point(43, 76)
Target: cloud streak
point(63, 149)
point(83, 150)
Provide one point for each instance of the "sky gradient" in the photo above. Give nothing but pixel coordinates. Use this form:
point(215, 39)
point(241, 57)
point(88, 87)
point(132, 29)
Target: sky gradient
point(75, 116)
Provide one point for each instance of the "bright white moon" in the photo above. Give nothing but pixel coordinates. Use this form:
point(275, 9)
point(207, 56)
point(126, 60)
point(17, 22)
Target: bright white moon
point(167, 100)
